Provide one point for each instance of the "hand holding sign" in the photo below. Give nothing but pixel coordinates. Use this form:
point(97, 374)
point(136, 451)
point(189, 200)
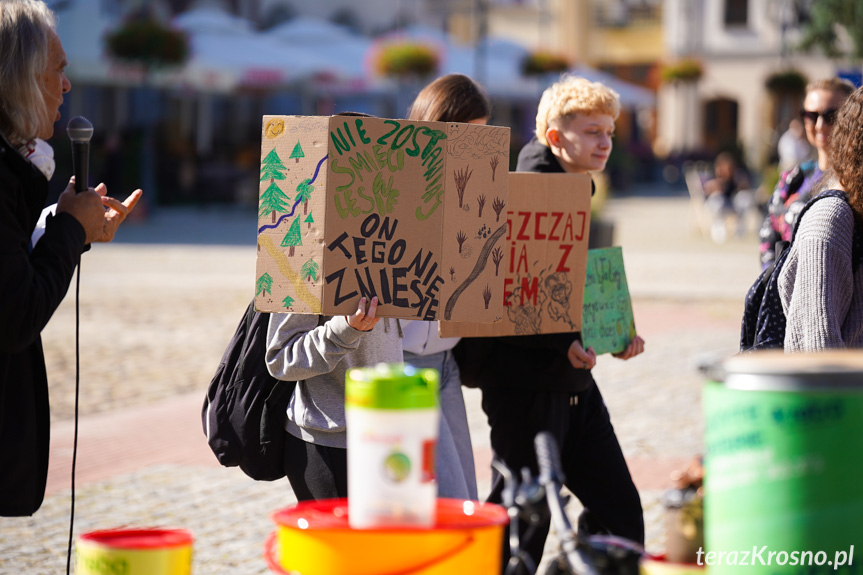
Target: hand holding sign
point(363, 320)
point(579, 358)
point(635, 347)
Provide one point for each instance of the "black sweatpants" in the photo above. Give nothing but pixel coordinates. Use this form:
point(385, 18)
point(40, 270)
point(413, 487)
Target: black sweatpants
point(591, 457)
point(315, 471)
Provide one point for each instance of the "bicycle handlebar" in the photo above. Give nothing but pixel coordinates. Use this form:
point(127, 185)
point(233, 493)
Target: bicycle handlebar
point(551, 477)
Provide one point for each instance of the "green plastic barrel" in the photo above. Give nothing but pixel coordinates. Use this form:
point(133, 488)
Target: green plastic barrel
point(784, 464)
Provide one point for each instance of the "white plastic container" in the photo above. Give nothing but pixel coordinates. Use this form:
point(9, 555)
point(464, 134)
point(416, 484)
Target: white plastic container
point(392, 418)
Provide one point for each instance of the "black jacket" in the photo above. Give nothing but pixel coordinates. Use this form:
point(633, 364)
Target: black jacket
point(32, 285)
point(524, 361)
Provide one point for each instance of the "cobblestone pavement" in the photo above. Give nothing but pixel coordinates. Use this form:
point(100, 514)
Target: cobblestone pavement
point(159, 304)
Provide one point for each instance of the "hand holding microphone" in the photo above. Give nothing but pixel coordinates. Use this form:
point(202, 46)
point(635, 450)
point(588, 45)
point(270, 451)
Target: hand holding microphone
point(99, 214)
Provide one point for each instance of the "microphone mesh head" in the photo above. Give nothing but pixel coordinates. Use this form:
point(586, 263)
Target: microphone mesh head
point(79, 129)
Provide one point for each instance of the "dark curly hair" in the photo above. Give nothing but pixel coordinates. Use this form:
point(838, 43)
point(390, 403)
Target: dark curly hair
point(846, 150)
point(451, 98)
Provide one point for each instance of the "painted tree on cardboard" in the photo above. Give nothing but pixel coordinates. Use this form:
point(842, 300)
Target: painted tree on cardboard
point(310, 270)
point(497, 257)
point(297, 153)
point(461, 179)
point(273, 199)
point(272, 167)
point(293, 238)
point(309, 220)
point(304, 190)
point(288, 301)
point(264, 285)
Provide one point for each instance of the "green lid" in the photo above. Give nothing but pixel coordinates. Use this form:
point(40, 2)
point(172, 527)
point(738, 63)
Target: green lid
point(391, 386)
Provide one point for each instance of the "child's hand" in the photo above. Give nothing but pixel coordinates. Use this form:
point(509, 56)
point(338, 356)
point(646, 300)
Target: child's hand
point(579, 358)
point(362, 320)
point(635, 347)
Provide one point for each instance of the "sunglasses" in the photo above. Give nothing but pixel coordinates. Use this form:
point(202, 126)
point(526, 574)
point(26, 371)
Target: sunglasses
point(829, 116)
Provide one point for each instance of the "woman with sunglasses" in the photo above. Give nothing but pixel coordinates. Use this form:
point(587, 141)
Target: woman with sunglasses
point(795, 186)
point(821, 283)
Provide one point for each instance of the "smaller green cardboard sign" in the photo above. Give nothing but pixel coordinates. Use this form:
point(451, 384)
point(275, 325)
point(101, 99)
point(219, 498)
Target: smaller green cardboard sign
point(607, 323)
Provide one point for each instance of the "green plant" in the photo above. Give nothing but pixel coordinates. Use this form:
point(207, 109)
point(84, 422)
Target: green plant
point(147, 41)
point(786, 82)
point(406, 58)
point(543, 62)
point(821, 30)
point(686, 70)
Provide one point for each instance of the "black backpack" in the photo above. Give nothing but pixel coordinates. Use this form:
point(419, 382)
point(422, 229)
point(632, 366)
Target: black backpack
point(244, 411)
point(763, 325)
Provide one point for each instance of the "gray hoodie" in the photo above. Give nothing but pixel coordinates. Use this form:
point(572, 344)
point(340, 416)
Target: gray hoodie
point(317, 351)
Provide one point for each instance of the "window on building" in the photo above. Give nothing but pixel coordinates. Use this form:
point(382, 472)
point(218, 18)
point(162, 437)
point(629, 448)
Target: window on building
point(736, 12)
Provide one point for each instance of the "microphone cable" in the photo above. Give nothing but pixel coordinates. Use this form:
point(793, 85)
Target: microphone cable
point(77, 392)
point(79, 130)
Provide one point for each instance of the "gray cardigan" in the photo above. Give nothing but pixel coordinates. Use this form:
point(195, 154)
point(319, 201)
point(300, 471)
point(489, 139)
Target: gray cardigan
point(822, 296)
point(318, 357)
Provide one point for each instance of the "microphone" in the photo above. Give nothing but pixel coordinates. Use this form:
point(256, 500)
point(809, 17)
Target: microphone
point(80, 130)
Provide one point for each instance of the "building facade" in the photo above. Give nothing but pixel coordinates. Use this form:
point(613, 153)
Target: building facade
point(741, 45)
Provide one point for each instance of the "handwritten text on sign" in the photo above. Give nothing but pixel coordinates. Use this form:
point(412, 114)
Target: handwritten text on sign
point(607, 321)
point(524, 226)
point(542, 259)
point(405, 282)
point(353, 207)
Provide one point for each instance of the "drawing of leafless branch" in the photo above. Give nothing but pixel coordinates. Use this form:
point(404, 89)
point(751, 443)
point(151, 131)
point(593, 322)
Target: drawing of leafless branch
point(494, 162)
point(480, 202)
point(486, 295)
point(497, 205)
point(461, 178)
point(452, 273)
point(497, 257)
point(460, 238)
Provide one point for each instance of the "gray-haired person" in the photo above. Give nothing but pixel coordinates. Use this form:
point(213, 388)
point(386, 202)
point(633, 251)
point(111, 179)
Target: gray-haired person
point(39, 250)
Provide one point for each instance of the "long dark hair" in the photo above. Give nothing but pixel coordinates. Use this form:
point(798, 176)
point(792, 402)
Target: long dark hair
point(451, 98)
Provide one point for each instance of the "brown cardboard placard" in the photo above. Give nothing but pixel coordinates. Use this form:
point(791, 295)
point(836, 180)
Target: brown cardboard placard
point(548, 222)
point(357, 206)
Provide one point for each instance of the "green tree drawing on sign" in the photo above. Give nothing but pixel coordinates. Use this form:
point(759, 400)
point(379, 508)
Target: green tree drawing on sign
point(264, 285)
point(297, 153)
point(272, 167)
point(309, 220)
point(310, 270)
point(288, 301)
point(304, 190)
point(293, 237)
point(273, 199)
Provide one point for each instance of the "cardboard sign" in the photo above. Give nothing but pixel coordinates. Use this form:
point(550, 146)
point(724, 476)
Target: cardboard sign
point(543, 259)
point(408, 211)
point(608, 324)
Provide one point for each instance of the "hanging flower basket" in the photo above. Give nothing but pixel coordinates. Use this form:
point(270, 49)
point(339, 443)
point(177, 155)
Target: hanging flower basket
point(786, 82)
point(406, 58)
point(541, 62)
point(148, 42)
point(688, 70)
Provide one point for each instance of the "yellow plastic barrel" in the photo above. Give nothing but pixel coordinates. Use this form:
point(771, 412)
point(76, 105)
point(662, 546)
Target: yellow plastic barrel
point(134, 552)
point(314, 538)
